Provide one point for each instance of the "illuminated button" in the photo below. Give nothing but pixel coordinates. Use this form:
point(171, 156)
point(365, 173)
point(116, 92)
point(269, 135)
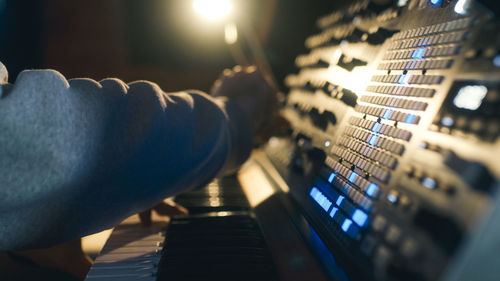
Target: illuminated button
point(331, 177)
point(372, 189)
point(410, 118)
point(447, 121)
point(352, 177)
point(360, 218)
point(404, 79)
point(429, 183)
point(373, 139)
point(333, 211)
point(496, 61)
point(393, 197)
point(339, 200)
point(346, 225)
point(350, 229)
point(418, 53)
point(387, 114)
point(320, 198)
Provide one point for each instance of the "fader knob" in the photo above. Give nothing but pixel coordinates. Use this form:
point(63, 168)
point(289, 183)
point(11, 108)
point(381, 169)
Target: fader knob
point(473, 173)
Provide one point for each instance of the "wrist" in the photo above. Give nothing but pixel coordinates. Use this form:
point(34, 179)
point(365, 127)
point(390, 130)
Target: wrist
point(240, 133)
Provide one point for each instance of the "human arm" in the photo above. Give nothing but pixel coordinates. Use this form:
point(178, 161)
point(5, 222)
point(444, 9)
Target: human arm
point(79, 156)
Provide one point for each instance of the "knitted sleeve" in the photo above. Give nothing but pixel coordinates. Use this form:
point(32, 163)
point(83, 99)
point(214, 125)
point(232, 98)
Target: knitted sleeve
point(78, 156)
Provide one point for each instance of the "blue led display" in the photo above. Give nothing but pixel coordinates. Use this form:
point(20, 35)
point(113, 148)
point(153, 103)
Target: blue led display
point(410, 118)
point(403, 79)
point(346, 224)
point(353, 177)
point(418, 53)
point(372, 188)
point(387, 114)
point(429, 183)
point(359, 217)
point(447, 121)
point(331, 177)
point(333, 211)
point(392, 198)
point(373, 139)
point(496, 61)
point(436, 2)
point(320, 199)
point(339, 200)
point(376, 127)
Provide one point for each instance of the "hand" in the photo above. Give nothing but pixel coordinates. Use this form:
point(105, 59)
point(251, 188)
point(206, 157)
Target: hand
point(250, 89)
point(164, 208)
point(67, 257)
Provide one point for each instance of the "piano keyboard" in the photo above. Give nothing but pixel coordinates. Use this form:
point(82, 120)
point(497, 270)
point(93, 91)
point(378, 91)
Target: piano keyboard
point(219, 240)
point(132, 252)
point(215, 246)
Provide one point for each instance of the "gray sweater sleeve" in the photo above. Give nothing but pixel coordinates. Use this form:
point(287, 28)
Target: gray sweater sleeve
point(78, 156)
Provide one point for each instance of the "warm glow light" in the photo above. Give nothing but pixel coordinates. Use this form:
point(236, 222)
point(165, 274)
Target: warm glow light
point(212, 9)
point(230, 33)
point(255, 184)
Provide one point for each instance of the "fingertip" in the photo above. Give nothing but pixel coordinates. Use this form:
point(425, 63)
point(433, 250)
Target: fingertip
point(251, 69)
point(182, 210)
point(215, 86)
point(145, 218)
point(227, 72)
point(178, 210)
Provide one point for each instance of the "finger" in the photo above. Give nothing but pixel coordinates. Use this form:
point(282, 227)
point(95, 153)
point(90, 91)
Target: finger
point(237, 68)
point(166, 208)
point(251, 69)
point(215, 87)
point(145, 217)
point(227, 73)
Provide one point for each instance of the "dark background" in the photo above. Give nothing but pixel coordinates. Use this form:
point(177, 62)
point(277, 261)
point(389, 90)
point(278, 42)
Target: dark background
point(158, 40)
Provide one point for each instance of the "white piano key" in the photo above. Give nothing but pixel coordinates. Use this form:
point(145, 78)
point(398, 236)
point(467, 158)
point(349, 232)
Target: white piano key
point(144, 249)
point(122, 277)
point(122, 270)
point(127, 257)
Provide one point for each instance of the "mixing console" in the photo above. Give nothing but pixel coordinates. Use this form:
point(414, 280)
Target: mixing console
point(395, 116)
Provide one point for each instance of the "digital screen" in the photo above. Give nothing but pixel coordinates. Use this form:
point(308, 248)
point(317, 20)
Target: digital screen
point(470, 97)
point(472, 106)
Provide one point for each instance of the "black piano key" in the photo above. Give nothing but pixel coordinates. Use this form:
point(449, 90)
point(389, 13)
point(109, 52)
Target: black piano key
point(219, 241)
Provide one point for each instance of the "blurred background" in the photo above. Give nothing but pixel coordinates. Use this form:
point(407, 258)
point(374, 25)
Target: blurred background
point(164, 41)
